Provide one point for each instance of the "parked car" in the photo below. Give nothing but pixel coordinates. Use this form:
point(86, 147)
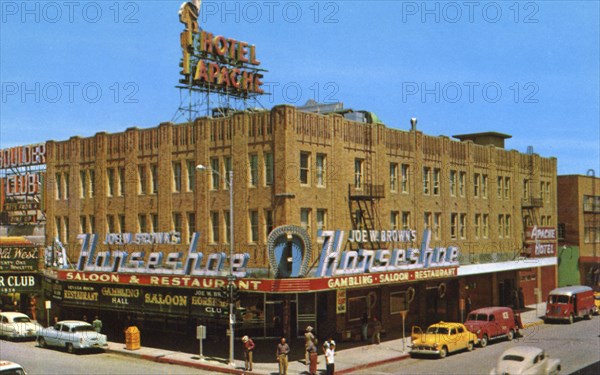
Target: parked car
point(490, 323)
point(15, 325)
point(11, 368)
point(442, 338)
point(526, 360)
point(72, 335)
point(570, 302)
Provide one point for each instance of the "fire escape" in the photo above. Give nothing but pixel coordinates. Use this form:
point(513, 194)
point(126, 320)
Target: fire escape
point(530, 204)
point(363, 194)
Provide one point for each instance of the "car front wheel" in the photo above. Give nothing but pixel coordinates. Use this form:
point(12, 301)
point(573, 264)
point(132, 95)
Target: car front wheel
point(510, 335)
point(571, 319)
point(484, 341)
point(42, 342)
point(443, 352)
point(70, 348)
point(470, 346)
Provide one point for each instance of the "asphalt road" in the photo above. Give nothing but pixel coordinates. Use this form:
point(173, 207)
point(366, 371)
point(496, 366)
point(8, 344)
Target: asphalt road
point(577, 346)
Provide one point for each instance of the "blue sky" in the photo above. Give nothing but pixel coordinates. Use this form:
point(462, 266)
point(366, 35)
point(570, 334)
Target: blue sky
point(529, 69)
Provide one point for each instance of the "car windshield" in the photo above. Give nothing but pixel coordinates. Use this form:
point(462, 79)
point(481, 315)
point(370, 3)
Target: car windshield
point(559, 299)
point(21, 319)
point(438, 330)
point(512, 357)
point(480, 317)
point(83, 329)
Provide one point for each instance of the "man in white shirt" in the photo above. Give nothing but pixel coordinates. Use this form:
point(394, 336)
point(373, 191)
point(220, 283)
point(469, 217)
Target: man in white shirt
point(330, 357)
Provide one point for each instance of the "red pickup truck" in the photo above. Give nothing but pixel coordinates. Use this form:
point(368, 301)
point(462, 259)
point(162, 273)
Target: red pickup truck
point(490, 323)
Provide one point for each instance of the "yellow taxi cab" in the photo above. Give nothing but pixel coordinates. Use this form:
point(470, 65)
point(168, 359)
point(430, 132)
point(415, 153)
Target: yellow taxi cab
point(442, 338)
point(597, 301)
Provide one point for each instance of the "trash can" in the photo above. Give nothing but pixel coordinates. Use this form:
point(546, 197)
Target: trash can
point(132, 338)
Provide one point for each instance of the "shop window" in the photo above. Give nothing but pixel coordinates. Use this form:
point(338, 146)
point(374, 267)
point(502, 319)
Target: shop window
point(356, 308)
point(398, 302)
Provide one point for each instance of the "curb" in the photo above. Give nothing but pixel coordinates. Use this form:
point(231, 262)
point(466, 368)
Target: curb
point(372, 364)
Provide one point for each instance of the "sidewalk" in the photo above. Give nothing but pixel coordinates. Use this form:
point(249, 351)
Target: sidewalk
point(349, 357)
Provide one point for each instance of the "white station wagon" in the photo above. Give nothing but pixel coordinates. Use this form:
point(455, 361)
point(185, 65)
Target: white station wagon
point(16, 325)
point(72, 335)
point(526, 360)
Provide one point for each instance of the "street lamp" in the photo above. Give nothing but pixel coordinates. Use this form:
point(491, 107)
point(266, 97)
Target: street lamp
point(230, 276)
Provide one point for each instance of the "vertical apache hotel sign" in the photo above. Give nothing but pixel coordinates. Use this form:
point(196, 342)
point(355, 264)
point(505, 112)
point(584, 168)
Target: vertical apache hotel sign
point(216, 63)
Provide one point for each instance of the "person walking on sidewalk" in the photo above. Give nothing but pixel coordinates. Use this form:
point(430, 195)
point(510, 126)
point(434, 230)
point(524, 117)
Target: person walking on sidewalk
point(364, 326)
point(330, 357)
point(309, 338)
point(283, 350)
point(97, 324)
point(248, 348)
point(376, 331)
point(313, 357)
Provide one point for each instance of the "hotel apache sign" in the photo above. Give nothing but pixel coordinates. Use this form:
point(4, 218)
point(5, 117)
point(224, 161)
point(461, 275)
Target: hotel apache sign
point(217, 63)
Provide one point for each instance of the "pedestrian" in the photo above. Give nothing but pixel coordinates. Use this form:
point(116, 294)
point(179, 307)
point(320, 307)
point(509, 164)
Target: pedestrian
point(330, 357)
point(521, 299)
point(365, 326)
point(308, 339)
point(376, 331)
point(248, 349)
point(313, 356)
point(97, 324)
point(55, 319)
point(283, 350)
point(468, 301)
point(516, 302)
point(84, 318)
point(33, 307)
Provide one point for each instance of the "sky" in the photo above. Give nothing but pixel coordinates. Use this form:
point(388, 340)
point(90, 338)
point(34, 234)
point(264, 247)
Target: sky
point(529, 69)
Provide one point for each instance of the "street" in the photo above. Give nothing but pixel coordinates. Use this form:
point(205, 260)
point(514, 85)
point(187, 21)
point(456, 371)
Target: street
point(576, 345)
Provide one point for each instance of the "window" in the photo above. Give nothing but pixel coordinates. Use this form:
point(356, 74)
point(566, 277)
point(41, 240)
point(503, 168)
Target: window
point(500, 226)
point(542, 190)
point(453, 183)
point(177, 222)
point(92, 183)
point(66, 186)
point(58, 186)
point(305, 219)
point(83, 224)
point(110, 224)
point(253, 226)
point(437, 224)
point(268, 168)
point(191, 221)
point(66, 221)
point(358, 173)
point(462, 228)
point(405, 220)
point(227, 162)
point(321, 219)
point(591, 231)
point(499, 184)
point(110, 181)
point(561, 231)
point(176, 176)
point(394, 219)
point(547, 191)
point(253, 169)
point(83, 182)
point(507, 188)
point(214, 226)
point(427, 219)
point(461, 183)
point(426, 180)
point(484, 186)
point(304, 168)
point(405, 178)
point(453, 225)
point(154, 218)
point(356, 308)
point(526, 188)
point(507, 224)
point(142, 179)
point(214, 173)
point(476, 183)
point(393, 177)
point(191, 175)
point(477, 226)
point(92, 224)
point(398, 302)
point(57, 232)
point(122, 223)
point(485, 226)
point(227, 221)
point(321, 166)
point(436, 181)
point(154, 169)
point(268, 223)
point(121, 181)
point(142, 223)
